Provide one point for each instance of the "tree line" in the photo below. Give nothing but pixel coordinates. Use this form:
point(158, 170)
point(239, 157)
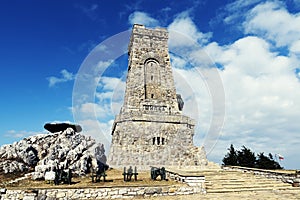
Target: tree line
point(246, 158)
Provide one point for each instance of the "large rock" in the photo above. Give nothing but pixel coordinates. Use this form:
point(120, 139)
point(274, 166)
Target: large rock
point(57, 127)
point(65, 150)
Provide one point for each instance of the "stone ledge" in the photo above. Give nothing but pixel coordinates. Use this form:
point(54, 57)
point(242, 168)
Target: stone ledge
point(286, 177)
point(107, 193)
point(178, 119)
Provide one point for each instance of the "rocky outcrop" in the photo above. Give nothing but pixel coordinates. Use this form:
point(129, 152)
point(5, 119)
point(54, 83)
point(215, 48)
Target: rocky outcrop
point(64, 150)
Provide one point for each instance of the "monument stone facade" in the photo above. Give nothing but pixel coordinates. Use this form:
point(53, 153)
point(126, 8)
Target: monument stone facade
point(150, 129)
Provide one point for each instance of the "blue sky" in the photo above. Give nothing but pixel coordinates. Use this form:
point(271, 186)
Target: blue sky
point(255, 46)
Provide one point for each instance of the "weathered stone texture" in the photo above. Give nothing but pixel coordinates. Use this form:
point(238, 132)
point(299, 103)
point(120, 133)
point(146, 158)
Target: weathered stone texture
point(150, 129)
point(102, 193)
point(66, 149)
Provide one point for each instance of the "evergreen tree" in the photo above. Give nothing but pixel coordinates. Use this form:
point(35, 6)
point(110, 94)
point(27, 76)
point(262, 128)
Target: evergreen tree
point(264, 162)
point(246, 158)
point(270, 156)
point(231, 157)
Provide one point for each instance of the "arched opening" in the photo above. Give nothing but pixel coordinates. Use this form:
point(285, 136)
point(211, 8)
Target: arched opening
point(152, 78)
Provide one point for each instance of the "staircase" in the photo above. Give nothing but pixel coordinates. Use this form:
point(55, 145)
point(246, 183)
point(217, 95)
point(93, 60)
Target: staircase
point(223, 181)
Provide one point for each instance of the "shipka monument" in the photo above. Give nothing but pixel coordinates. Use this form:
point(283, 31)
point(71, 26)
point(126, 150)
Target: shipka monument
point(150, 129)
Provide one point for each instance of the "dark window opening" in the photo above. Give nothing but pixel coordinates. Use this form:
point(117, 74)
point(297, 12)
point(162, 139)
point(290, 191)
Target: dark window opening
point(152, 96)
point(158, 141)
point(151, 78)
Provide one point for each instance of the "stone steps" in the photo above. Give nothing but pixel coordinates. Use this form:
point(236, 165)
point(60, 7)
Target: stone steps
point(246, 186)
point(243, 183)
point(243, 180)
point(236, 181)
point(227, 190)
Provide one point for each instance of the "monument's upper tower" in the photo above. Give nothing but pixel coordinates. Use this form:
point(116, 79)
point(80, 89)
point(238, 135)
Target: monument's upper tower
point(150, 80)
point(150, 129)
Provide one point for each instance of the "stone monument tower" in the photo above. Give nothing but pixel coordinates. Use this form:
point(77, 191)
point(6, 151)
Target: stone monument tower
point(150, 128)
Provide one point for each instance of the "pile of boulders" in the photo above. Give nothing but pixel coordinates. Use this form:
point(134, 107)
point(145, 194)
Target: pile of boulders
point(65, 149)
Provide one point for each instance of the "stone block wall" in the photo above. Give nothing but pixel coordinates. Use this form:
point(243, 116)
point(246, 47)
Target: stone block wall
point(271, 174)
point(158, 144)
point(149, 69)
point(100, 193)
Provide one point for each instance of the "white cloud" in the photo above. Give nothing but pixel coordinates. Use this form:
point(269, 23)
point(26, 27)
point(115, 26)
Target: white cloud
point(197, 102)
point(272, 21)
point(102, 66)
point(177, 61)
point(109, 83)
point(65, 77)
point(101, 48)
point(21, 134)
point(236, 10)
point(112, 92)
point(166, 9)
point(58, 121)
point(96, 121)
point(295, 47)
point(100, 131)
point(185, 29)
point(96, 118)
point(261, 97)
point(138, 17)
point(261, 87)
point(252, 56)
point(90, 110)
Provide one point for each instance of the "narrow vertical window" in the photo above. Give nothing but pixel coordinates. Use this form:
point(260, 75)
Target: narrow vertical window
point(153, 141)
point(158, 140)
point(152, 74)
